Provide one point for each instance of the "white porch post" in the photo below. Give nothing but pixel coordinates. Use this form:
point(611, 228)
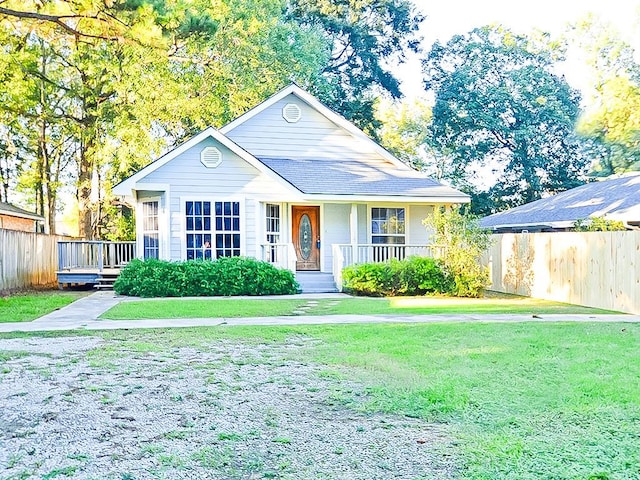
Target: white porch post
point(353, 227)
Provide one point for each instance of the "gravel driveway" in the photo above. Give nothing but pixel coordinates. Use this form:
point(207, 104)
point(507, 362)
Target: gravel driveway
point(91, 408)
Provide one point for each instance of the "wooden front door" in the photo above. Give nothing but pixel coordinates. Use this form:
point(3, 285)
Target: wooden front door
point(306, 236)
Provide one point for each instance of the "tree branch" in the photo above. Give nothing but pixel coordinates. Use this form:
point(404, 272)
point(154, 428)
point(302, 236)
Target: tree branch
point(59, 21)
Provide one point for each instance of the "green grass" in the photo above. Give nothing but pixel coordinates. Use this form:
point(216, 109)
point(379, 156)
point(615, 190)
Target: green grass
point(525, 401)
point(28, 307)
point(183, 308)
point(237, 308)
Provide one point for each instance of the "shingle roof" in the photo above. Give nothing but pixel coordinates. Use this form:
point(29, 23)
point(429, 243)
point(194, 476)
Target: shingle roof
point(355, 177)
point(9, 209)
point(615, 199)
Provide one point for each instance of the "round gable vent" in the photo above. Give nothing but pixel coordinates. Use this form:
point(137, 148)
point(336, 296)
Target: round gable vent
point(211, 157)
point(291, 112)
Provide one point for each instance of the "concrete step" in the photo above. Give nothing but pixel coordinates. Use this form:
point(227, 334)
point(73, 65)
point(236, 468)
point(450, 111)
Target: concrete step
point(105, 282)
point(316, 282)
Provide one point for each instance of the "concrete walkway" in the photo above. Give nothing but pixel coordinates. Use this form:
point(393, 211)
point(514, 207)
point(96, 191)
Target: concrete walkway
point(83, 315)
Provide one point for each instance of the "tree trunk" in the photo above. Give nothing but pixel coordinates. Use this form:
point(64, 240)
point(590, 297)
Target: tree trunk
point(85, 172)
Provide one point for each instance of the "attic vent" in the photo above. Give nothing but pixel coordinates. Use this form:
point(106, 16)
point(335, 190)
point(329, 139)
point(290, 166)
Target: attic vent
point(291, 113)
point(211, 157)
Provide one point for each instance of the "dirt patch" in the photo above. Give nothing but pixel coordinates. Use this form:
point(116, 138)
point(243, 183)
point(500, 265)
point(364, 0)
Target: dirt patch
point(84, 407)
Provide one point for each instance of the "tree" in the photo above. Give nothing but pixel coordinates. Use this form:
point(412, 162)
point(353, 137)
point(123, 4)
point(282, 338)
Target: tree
point(499, 108)
point(365, 37)
point(106, 79)
point(612, 121)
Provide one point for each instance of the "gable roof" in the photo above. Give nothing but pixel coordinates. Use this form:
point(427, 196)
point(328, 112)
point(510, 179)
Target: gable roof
point(615, 199)
point(316, 104)
point(385, 177)
point(350, 177)
point(126, 186)
point(13, 211)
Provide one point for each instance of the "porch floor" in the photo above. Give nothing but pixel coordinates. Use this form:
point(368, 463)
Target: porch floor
point(76, 276)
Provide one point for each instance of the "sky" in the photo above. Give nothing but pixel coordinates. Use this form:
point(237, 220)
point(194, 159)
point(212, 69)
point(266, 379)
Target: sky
point(446, 18)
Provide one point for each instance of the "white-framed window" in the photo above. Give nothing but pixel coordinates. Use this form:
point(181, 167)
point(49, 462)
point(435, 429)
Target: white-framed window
point(273, 223)
point(387, 225)
point(212, 229)
point(150, 230)
point(272, 230)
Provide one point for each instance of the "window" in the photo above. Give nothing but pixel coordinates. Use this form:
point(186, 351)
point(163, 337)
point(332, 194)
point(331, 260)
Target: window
point(213, 233)
point(387, 225)
point(150, 231)
point(273, 231)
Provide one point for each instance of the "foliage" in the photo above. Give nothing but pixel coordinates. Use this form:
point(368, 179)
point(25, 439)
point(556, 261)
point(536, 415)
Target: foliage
point(500, 107)
point(404, 132)
point(612, 123)
point(90, 90)
point(598, 224)
point(464, 244)
point(412, 276)
point(226, 276)
point(365, 36)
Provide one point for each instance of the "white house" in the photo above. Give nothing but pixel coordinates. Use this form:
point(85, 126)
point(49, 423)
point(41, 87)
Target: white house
point(290, 182)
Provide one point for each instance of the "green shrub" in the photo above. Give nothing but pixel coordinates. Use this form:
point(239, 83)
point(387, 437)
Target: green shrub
point(225, 276)
point(412, 276)
point(464, 243)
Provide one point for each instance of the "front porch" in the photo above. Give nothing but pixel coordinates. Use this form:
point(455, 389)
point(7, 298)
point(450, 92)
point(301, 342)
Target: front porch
point(92, 261)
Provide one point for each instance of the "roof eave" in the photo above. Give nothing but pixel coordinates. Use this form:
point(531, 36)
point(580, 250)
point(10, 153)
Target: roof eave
point(28, 216)
point(349, 198)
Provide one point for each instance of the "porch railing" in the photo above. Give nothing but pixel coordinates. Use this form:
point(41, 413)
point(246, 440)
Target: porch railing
point(348, 254)
point(94, 254)
point(282, 255)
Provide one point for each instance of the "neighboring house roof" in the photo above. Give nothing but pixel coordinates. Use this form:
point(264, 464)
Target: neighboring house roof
point(382, 176)
point(614, 199)
point(12, 210)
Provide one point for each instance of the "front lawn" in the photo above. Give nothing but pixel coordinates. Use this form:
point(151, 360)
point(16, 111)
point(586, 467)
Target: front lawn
point(254, 307)
point(25, 307)
point(522, 400)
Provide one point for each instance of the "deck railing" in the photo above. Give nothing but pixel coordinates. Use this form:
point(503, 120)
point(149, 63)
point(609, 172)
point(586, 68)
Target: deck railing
point(282, 255)
point(94, 254)
point(348, 254)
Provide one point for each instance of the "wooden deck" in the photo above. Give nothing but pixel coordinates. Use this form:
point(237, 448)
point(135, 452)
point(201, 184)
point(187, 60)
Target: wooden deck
point(90, 262)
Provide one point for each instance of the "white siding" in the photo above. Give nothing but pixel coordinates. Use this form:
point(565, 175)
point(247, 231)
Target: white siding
point(363, 224)
point(233, 179)
point(417, 232)
point(335, 230)
point(313, 136)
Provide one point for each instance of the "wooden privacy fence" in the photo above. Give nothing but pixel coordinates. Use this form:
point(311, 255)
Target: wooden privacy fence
point(596, 269)
point(27, 259)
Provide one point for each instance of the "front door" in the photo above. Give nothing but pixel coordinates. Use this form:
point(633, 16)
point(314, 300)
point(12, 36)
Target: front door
point(306, 237)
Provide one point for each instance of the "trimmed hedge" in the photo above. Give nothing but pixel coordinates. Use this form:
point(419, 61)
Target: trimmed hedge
point(226, 276)
point(412, 276)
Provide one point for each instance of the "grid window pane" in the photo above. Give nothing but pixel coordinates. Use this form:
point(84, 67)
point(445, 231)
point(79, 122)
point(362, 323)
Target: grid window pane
point(205, 225)
point(150, 230)
point(388, 225)
point(273, 231)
